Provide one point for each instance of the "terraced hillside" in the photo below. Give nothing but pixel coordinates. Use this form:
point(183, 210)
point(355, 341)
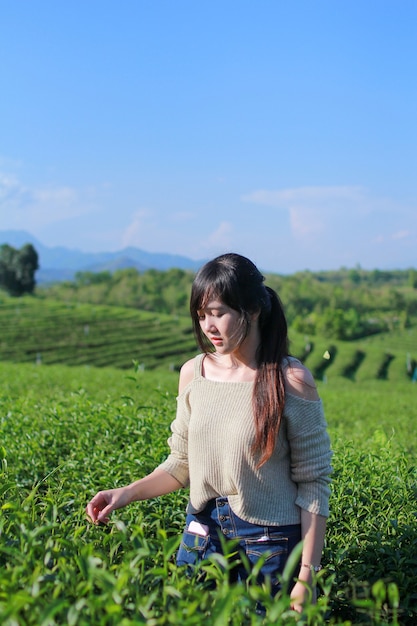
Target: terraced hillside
point(388, 356)
point(45, 331)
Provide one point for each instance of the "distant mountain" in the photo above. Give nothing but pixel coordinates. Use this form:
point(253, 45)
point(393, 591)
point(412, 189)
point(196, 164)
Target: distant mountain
point(60, 263)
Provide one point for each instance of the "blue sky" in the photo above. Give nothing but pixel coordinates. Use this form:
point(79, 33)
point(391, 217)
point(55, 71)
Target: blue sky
point(285, 131)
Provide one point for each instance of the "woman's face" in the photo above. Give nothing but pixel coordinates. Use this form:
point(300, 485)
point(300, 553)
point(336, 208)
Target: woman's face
point(220, 324)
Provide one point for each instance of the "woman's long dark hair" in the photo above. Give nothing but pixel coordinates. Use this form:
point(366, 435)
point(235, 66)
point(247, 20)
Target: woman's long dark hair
point(238, 283)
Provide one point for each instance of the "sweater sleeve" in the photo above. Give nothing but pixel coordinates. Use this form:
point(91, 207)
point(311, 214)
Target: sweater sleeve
point(310, 453)
point(176, 463)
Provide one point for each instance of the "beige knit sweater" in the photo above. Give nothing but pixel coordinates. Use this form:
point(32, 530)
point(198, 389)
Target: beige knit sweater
point(211, 453)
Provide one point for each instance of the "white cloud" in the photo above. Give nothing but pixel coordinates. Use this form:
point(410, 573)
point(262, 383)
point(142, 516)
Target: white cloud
point(402, 234)
point(312, 196)
point(317, 212)
point(9, 188)
point(337, 226)
point(153, 230)
point(219, 239)
point(183, 216)
point(137, 232)
point(35, 207)
point(59, 195)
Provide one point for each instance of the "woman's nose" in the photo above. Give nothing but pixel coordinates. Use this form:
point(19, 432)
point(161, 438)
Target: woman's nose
point(209, 323)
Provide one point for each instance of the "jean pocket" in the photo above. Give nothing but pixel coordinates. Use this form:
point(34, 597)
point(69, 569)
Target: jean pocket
point(192, 548)
point(272, 555)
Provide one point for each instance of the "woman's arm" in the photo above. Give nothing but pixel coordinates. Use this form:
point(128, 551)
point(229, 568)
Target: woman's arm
point(313, 528)
point(158, 483)
point(300, 382)
point(155, 484)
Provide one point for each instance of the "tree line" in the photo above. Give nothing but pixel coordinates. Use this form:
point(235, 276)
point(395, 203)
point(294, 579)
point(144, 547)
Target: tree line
point(343, 304)
point(17, 269)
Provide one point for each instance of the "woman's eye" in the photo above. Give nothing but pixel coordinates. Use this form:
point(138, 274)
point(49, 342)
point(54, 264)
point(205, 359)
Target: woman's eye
point(216, 314)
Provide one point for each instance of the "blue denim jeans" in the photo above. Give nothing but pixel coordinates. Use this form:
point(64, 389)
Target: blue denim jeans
point(250, 543)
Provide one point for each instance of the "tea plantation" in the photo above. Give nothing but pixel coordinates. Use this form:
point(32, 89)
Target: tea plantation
point(66, 432)
point(51, 332)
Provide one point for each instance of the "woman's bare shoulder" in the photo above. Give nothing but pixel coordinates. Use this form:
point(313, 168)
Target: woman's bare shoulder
point(299, 381)
point(186, 374)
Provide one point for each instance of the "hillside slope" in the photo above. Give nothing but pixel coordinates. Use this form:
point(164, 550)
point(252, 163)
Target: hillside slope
point(47, 331)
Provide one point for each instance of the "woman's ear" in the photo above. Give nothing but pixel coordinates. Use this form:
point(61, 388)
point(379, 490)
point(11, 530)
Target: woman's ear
point(255, 316)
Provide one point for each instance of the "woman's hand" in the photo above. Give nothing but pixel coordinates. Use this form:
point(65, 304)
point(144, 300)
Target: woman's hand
point(105, 502)
point(158, 483)
point(301, 594)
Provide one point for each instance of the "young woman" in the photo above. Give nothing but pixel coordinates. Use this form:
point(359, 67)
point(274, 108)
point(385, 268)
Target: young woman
point(249, 438)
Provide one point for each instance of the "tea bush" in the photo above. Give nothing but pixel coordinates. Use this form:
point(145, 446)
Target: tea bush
point(67, 432)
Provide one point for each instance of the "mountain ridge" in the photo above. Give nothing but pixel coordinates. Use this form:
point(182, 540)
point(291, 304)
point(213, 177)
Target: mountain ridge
point(59, 263)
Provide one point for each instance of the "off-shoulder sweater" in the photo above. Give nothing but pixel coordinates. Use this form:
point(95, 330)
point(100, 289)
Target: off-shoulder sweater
point(211, 441)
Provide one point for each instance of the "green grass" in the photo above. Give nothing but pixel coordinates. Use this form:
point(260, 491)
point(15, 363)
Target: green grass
point(66, 432)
